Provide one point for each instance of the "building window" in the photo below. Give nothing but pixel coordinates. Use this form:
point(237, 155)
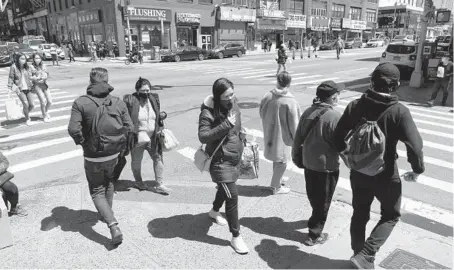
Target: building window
point(55, 6)
point(355, 13)
point(73, 3)
point(205, 1)
point(231, 2)
point(371, 15)
point(338, 11)
point(296, 7)
point(319, 8)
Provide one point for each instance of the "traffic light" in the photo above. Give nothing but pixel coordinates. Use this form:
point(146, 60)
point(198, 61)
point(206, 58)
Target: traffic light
point(443, 16)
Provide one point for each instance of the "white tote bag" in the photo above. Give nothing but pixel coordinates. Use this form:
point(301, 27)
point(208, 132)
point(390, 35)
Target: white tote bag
point(13, 108)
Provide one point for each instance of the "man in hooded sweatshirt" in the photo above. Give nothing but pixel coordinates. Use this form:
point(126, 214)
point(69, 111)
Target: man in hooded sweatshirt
point(280, 113)
point(397, 125)
point(101, 148)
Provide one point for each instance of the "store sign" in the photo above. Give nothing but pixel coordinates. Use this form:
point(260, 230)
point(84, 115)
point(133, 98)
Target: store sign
point(296, 21)
point(271, 13)
point(188, 18)
point(354, 24)
point(336, 23)
point(88, 17)
point(318, 23)
point(269, 24)
point(237, 15)
point(149, 14)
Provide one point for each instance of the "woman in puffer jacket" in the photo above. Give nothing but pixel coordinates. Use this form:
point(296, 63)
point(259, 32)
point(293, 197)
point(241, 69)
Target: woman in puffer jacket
point(220, 124)
point(8, 190)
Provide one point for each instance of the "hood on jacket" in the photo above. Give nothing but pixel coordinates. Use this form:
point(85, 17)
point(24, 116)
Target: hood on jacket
point(208, 102)
point(101, 89)
point(282, 92)
point(376, 101)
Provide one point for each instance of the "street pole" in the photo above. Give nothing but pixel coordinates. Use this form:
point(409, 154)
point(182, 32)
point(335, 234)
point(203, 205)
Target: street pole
point(394, 20)
point(417, 76)
point(129, 31)
point(162, 33)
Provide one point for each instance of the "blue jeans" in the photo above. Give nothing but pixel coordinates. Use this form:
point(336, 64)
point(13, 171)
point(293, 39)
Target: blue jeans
point(100, 176)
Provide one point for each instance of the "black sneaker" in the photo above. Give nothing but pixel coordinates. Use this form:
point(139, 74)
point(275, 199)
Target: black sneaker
point(117, 236)
point(316, 241)
point(361, 261)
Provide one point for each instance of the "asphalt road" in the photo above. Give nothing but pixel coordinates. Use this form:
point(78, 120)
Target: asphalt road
point(43, 154)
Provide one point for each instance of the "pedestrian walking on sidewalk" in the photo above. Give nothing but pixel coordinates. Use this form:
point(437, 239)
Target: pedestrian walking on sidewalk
point(144, 108)
point(8, 190)
point(280, 112)
point(20, 77)
point(40, 87)
point(100, 123)
point(281, 59)
point(313, 151)
point(443, 81)
point(396, 124)
point(220, 129)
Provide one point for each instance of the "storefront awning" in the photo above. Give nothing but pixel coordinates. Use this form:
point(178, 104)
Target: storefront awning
point(38, 3)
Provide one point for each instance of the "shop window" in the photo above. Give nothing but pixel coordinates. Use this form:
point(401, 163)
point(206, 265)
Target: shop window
point(338, 11)
point(371, 15)
point(296, 7)
point(319, 8)
point(355, 13)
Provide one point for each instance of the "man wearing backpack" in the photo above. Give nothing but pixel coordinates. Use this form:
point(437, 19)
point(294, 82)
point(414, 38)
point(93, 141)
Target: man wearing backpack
point(100, 123)
point(374, 173)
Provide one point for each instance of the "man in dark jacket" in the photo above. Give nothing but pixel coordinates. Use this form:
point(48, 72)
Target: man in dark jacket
point(99, 166)
point(397, 125)
point(443, 81)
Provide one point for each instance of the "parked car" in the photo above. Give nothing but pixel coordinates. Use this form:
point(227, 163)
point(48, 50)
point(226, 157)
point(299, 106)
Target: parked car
point(402, 38)
point(34, 43)
point(184, 53)
point(26, 50)
point(328, 45)
point(375, 42)
point(44, 51)
point(352, 43)
point(227, 50)
point(5, 56)
point(401, 54)
point(11, 45)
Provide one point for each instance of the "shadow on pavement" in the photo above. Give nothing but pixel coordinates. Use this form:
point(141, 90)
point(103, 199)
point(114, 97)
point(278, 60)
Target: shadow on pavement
point(250, 191)
point(188, 227)
point(276, 227)
point(373, 59)
point(290, 257)
point(81, 221)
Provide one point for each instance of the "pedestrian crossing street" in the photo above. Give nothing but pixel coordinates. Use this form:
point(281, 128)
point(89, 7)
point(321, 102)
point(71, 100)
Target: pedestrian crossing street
point(47, 146)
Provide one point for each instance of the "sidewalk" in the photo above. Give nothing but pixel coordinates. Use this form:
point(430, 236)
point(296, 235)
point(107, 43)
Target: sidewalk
point(423, 94)
point(62, 231)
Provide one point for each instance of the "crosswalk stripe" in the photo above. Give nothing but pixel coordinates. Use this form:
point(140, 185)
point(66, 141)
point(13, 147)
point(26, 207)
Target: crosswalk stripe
point(52, 94)
point(61, 109)
point(26, 135)
point(317, 81)
point(438, 146)
point(44, 161)
point(431, 123)
point(36, 103)
point(52, 119)
point(228, 69)
point(36, 146)
point(252, 72)
point(300, 78)
point(261, 75)
point(350, 70)
point(431, 212)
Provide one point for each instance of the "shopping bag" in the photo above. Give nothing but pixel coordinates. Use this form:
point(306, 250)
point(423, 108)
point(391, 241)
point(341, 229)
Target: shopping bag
point(13, 108)
point(249, 165)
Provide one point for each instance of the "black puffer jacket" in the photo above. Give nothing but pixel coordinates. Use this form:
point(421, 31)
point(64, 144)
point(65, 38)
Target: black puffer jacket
point(211, 133)
point(397, 125)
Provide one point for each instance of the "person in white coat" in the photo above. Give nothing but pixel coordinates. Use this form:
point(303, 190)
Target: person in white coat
point(280, 113)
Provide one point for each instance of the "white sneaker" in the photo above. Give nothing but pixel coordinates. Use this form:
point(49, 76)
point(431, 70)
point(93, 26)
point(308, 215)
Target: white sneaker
point(218, 218)
point(28, 122)
point(239, 245)
point(46, 119)
point(281, 190)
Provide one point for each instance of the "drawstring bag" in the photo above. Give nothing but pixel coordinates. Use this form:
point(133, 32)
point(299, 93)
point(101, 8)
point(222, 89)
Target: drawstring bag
point(12, 108)
point(168, 141)
point(249, 165)
point(202, 160)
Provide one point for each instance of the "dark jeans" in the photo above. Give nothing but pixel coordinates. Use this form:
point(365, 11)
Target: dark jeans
point(338, 51)
point(443, 85)
point(10, 194)
point(100, 176)
point(320, 187)
point(228, 192)
point(388, 191)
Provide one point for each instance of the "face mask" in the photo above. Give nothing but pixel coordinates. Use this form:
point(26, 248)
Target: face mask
point(228, 104)
point(22, 62)
point(143, 95)
point(37, 61)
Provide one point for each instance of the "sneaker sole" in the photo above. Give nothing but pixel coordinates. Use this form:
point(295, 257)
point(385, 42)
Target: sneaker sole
point(239, 252)
point(214, 221)
point(356, 264)
point(117, 240)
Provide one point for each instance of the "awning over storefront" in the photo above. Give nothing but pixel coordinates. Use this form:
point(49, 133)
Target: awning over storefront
point(237, 14)
point(270, 24)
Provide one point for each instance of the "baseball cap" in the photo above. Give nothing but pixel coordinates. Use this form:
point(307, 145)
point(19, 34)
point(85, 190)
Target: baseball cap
point(327, 89)
point(386, 72)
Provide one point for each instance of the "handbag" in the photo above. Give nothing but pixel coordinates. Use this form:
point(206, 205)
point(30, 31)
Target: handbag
point(298, 157)
point(143, 138)
point(5, 177)
point(168, 140)
point(202, 160)
point(13, 109)
point(249, 164)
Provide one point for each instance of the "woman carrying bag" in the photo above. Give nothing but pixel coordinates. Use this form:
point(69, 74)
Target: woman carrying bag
point(220, 130)
point(8, 190)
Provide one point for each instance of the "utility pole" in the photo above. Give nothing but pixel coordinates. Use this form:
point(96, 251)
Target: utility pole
point(394, 19)
point(128, 25)
point(417, 75)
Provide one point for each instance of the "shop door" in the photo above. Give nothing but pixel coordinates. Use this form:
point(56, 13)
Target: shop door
point(206, 42)
point(194, 37)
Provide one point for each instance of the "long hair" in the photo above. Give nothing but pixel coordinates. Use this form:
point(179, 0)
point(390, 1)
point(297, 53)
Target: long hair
point(219, 87)
point(142, 82)
point(40, 65)
point(18, 56)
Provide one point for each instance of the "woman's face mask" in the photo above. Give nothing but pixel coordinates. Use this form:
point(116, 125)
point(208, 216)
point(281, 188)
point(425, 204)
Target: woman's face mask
point(228, 99)
point(144, 91)
point(228, 104)
point(37, 60)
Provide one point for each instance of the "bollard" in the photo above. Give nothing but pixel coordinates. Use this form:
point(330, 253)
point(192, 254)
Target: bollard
point(6, 237)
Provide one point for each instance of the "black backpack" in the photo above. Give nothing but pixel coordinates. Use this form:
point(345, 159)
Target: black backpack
point(108, 135)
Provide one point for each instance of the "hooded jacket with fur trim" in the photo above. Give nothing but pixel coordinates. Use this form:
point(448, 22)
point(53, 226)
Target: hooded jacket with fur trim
point(212, 131)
